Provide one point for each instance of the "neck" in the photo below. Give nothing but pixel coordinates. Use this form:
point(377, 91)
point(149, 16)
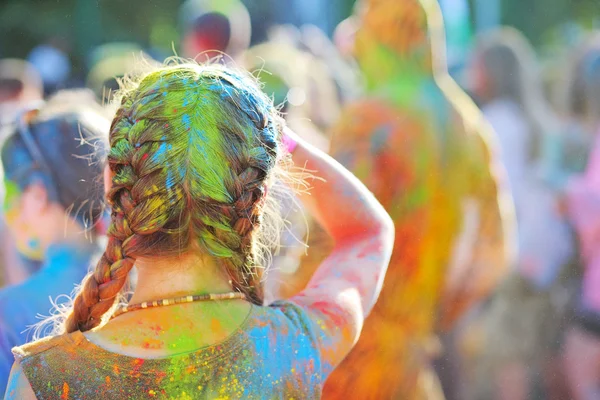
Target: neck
point(187, 274)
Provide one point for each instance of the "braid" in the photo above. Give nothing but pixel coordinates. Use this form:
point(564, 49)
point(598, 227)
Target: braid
point(191, 152)
point(243, 214)
point(244, 217)
point(127, 229)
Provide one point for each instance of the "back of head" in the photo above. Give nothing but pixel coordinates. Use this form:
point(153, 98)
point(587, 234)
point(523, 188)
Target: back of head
point(221, 25)
point(512, 74)
point(192, 151)
point(509, 64)
point(62, 145)
point(19, 81)
point(400, 35)
point(581, 94)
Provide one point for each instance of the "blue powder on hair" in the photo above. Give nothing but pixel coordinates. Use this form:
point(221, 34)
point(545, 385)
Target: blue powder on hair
point(187, 121)
point(160, 153)
point(170, 181)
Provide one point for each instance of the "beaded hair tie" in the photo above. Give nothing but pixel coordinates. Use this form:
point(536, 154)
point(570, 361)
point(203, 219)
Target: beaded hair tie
point(179, 300)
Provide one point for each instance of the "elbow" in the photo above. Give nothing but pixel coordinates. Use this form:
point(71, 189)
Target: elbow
point(389, 236)
point(386, 230)
point(388, 227)
point(383, 231)
point(379, 228)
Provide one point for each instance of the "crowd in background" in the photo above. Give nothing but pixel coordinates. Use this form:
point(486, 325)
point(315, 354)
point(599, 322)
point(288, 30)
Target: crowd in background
point(526, 330)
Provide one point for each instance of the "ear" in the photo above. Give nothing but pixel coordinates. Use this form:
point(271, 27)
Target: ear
point(34, 201)
point(108, 175)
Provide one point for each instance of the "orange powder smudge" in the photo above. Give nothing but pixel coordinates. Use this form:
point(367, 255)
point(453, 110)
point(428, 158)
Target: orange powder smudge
point(190, 369)
point(107, 380)
point(65, 391)
point(116, 369)
point(215, 326)
point(152, 344)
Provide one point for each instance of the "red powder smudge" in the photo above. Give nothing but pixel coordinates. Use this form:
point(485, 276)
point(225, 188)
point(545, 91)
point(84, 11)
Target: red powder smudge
point(166, 125)
point(327, 309)
point(160, 375)
point(145, 156)
point(65, 392)
point(137, 366)
point(174, 110)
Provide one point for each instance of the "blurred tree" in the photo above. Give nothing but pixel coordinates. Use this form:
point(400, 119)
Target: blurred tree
point(83, 24)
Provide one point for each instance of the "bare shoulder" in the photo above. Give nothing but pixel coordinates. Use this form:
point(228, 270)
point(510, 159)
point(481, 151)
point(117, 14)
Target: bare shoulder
point(18, 385)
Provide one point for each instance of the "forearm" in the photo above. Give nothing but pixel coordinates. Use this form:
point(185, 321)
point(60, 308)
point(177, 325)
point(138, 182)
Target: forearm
point(337, 199)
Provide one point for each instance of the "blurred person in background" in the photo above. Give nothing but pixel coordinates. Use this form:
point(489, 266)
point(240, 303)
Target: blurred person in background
point(210, 28)
point(582, 350)
point(112, 61)
point(300, 85)
point(340, 68)
point(20, 84)
point(524, 321)
point(53, 207)
point(425, 151)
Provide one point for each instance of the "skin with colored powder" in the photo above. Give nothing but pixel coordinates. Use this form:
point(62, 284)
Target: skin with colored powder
point(195, 157)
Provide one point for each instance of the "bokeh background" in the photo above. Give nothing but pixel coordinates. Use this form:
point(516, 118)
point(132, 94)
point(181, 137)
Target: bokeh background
point(79, 26)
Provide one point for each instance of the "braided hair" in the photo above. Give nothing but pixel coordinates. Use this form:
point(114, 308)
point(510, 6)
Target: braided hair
point(192, 149)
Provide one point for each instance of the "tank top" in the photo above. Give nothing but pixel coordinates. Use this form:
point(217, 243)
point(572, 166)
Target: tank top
point(272, 355)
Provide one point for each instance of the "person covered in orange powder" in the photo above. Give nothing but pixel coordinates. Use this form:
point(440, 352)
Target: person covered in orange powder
point(423, 148)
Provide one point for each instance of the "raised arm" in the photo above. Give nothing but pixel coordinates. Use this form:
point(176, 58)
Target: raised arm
point(346, 285)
